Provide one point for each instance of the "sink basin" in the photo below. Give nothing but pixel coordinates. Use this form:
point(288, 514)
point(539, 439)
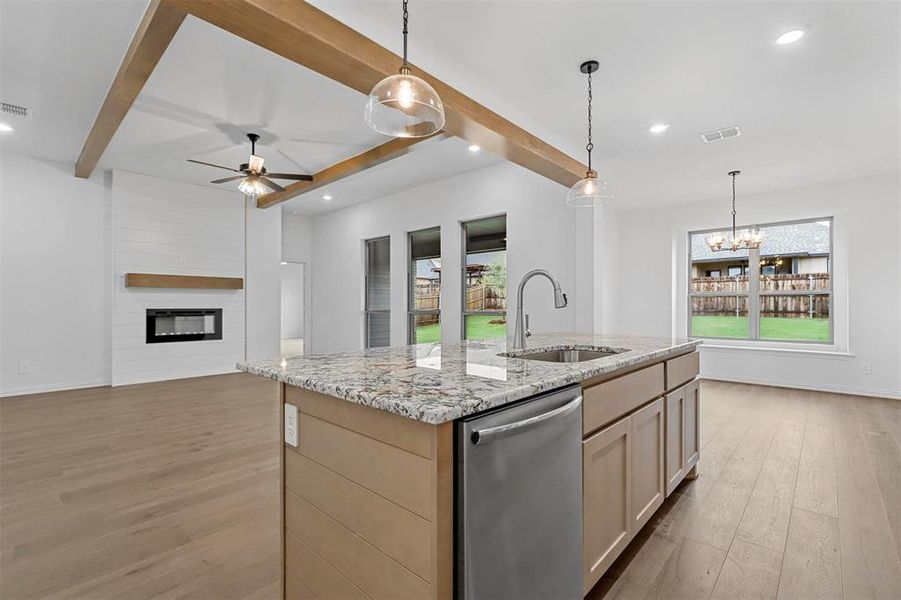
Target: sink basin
point(565, 356)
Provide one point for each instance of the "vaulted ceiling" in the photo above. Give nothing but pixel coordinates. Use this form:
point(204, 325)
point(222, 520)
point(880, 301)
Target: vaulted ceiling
point(823, 109)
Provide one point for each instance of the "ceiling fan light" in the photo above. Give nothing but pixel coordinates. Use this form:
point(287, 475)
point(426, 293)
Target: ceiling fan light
point(404, 105)
point(252, 186)
point(255, 164)
point(588, 192)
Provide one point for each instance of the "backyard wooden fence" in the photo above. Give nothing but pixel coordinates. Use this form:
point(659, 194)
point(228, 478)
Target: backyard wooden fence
point(815, 304)
point(485, 297)
point(425, 297)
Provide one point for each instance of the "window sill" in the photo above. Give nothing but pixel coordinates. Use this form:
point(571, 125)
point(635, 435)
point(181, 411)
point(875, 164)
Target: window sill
point(824, 350)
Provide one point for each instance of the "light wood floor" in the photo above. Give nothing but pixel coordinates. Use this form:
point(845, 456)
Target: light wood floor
point(169, 490)
point(799, 497)
point(164, 490)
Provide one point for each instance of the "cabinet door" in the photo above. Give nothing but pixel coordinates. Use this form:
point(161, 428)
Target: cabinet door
point(674, 415)
point(606, 498)
point(692, 415)
point(648, 478)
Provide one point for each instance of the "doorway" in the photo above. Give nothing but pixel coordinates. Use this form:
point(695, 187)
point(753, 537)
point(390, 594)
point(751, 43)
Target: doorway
point(293, 309)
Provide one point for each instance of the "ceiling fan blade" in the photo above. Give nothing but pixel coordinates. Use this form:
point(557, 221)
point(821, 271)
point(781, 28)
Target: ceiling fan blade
point(294, 176)
point(271, 184)
point(200, 162)
point(226, 179)
point(255, 164)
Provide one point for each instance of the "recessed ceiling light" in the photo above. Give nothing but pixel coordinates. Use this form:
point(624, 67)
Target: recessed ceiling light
point(326, 197)
point(790, 37)
point(474, 148)
point(658, 127)
point(5, 128)
point(284, 263)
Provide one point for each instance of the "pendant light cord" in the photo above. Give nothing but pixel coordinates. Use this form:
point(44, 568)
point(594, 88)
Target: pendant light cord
point(406, 18)
point(733, 204)
point(589, 146)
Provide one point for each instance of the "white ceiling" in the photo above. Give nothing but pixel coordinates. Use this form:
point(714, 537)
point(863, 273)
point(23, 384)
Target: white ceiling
point(826, 108)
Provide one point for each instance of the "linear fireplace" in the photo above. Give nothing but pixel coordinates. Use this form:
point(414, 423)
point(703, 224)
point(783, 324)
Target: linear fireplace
point(183, 324)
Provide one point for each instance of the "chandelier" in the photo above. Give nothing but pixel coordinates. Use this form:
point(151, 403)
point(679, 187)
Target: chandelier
point(744, 239)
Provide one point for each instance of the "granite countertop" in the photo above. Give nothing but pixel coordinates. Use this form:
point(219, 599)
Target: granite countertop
point(437, 383)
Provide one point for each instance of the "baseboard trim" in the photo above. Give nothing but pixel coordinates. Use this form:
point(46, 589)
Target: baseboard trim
point(890, 395)
point(56, 387)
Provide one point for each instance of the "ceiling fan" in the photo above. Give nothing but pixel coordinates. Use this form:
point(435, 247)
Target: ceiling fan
point(255, 179)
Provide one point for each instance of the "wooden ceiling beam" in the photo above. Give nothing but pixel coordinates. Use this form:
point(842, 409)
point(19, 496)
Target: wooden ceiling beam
point(156, 30)
point(309, 37)
point(356, 164)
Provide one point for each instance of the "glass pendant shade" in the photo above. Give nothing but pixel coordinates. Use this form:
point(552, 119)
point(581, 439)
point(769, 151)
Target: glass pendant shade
point(404, 105)
point(589, 191)
point(252, 186)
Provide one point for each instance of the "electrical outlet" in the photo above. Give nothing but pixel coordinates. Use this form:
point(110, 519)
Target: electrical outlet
point(866, 368)
point(24, 368)
point(291, 425)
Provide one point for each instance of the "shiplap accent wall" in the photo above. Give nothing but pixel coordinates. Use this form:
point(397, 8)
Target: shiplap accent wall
point(163, 226)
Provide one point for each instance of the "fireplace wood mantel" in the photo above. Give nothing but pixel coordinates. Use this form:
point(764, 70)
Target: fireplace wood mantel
point(157, 280)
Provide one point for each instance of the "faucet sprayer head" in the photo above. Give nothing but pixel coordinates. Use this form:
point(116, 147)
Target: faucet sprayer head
point(559, 297)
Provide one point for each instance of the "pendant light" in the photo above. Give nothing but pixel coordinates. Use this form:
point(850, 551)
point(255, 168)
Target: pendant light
point(745, 239)
point(404, 105)
point(591, 190)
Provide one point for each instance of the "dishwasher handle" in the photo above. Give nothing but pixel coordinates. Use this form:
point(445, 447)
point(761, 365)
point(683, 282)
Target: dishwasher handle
point(490, 434)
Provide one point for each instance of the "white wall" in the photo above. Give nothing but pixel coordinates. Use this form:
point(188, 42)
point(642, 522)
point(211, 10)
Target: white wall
point(57, 278)
point(54, 276)
point(163, 226)
point(652, 283)
point(541, 232)
point(297, 247)
point(292, 301)
point(263, 281)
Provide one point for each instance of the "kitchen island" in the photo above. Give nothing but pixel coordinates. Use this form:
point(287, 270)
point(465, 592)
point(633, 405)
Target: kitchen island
point(368, 490)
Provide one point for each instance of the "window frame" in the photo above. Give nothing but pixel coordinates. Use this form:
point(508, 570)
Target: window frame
point(411, 287)
point(754, 294)
point(468, 313)
point(367, 311)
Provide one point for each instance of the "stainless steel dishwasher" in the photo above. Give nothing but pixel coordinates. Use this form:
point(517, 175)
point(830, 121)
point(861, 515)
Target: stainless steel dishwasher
point(519, 500)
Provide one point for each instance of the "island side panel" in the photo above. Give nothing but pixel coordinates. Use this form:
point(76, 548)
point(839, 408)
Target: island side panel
point(281, 492)
point(368, 502)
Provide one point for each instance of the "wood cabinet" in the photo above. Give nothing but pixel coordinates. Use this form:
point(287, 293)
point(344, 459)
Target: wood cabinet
point(648, 443)
point(648, 486)
point(675, 439)
point(682, 417)
point(606, 498)
point(692, 431)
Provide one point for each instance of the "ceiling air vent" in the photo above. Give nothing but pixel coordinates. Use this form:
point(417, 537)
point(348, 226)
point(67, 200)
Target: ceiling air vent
point(721, 134)
point(13, 109)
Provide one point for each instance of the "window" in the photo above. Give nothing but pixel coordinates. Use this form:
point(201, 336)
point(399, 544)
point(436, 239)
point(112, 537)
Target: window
point(786, 296)
point(424, 299)
point(485, 278)
point(377, 312)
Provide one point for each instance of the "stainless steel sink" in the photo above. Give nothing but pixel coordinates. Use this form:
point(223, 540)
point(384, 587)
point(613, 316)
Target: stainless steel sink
point(564, 356)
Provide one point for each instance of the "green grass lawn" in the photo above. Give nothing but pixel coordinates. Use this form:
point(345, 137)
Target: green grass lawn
point(478, 327)
point(428, 334)
point(771, 328)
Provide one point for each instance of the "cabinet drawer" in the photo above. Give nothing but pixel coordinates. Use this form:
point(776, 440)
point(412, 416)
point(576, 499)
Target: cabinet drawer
point(606, 402)
point(682, 368)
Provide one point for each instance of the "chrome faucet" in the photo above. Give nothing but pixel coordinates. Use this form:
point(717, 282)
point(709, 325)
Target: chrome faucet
point(522, 322)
